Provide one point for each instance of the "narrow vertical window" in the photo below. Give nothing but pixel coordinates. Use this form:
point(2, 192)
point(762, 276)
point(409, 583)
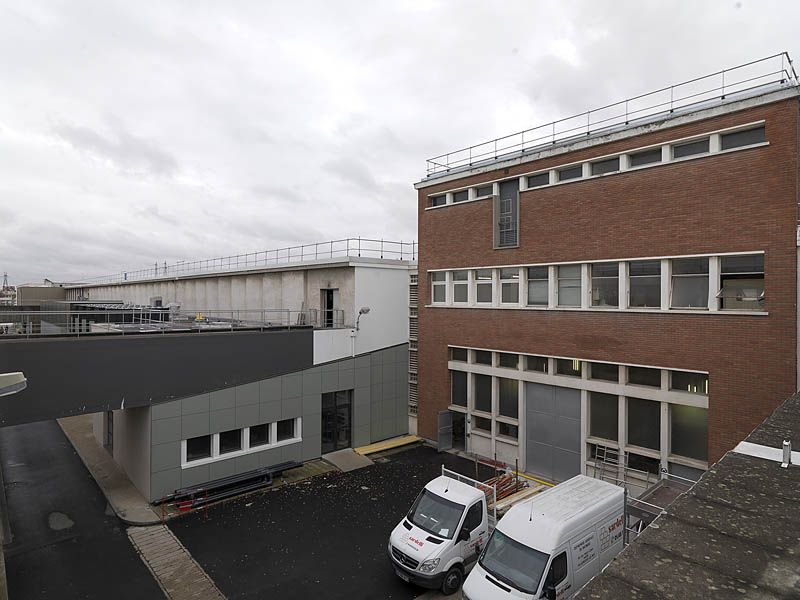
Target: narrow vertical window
point(688, 431)
point(742, 282)
point(483, 286)
point(509, 286)
point(690, 283)
point(645, 284)
point(605, 285)
point(569, 285)
point(438, 287)
point(460, 286)
point(538, 285)
point(458, 388)
point(506, 214)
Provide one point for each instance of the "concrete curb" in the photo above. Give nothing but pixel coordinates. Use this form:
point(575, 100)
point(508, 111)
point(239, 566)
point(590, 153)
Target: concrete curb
point(125, 500)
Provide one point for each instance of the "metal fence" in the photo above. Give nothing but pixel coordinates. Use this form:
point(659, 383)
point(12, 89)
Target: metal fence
point(776, 70)
point(27, 324)
point(348, 247)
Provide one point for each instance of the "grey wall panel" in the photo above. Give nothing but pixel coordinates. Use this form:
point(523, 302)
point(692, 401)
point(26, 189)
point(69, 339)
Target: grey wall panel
point(312, 446)
point(361, 377)
point(223, 468)
point(312, 403)
point(269, 411)
point(292, 385)
point(223, 399)
point(196, 404)
point(292, 452)
point(267, 458)
point(552, 422)
point(270, 389)
point(166, 410)
point(164, 482)
point(248, 415)
point(195, 475)
point(330, 381)
point(361, 362)
point(69, 376)
point(195, 425)
point(165, 456)
point(312, 382)
point(361, 436)
point(223, 420)
point(312, 425)
point(247, 394)
point(291, 407)
point(346, 379)
point(248, 462)
point(166, 430)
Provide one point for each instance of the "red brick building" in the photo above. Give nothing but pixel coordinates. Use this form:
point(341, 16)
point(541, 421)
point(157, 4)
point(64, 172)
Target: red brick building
point(630, 284)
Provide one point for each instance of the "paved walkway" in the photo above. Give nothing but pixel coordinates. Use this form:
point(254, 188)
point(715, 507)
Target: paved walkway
point(347, 460)
point(176, 571)
point(127, 502)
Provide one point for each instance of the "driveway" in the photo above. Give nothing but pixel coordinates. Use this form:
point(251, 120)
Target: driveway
point(323, 538)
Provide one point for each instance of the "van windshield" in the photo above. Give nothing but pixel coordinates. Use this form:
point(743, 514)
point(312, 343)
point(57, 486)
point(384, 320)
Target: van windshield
point(513, 563)
point(435, 514)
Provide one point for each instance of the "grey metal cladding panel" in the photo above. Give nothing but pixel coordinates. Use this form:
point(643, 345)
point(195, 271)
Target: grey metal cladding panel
point(312, 425)
point(566, 464)
point(292, 385)
point(346, 364)
point(194, 425)
point(362, 377)
point(376, 392)
point(346, 379)
point(195, 475)
point(361, 415)
point(164, 482)
point(312, 382)
point(388, 373)
point(540, 459)
point(376, 358)
point(223, 420)
point(361, 396)
point(361, 436)
point(222, 468)
point(269, 412)
point(268, 458)
point(248, 415)
point(362, 361)
point(376, 373)
point(58, 368)
point(330, 381)
point(291, 408)
point(166, 430)
point(539, 397)
point(248, 394)
point(270, 389)
point(567, 434)
point(166, 410)
point(165, 456)
point(311, 447)
point(195, 404)
point(223, 399)
point(248, 462)
point(292, 452)
point(312, 404)
point(329, 367)
point(375, 423)
point(568, 403)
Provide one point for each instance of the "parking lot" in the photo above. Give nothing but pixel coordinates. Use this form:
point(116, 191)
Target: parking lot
point(322, 538)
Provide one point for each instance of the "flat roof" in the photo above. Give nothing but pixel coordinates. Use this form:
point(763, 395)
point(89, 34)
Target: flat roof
point(734, 534)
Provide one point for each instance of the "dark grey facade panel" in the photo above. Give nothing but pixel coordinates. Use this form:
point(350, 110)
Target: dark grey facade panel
point(70, 376)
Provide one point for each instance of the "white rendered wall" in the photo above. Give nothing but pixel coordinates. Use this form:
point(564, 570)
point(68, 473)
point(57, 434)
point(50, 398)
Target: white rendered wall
point(332, 344)
point(385, 291)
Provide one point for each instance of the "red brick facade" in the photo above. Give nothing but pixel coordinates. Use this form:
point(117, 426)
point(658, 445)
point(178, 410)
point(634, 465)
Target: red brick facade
point(739, 201)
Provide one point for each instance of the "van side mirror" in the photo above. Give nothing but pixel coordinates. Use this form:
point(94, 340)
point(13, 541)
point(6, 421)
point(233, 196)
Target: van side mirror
point(463, 535)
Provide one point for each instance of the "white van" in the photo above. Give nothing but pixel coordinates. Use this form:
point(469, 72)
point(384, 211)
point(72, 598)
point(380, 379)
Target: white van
point(552, 545)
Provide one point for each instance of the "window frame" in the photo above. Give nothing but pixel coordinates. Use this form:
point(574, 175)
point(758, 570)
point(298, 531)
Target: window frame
point(460, 284)
point(478, 281)
point(759, 303)
point(512, 281)
point(632, 279)
point(441, 283)
point(701, 275)
point(559, 279)
point(601, 279)
point(529, 280)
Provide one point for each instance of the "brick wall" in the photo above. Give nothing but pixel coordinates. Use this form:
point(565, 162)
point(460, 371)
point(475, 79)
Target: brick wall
point(745, 200)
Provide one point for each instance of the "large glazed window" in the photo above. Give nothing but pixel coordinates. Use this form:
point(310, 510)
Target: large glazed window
point(603, 411)
point(645, 284)
point(742, 282)
point(738, 139)
point(644, 423)
point(690, 283)
point(689, 431)
point(538, 285)
point(483, 286)
point(461, 286)
point(509, 397)
point(483, 393)
point(507, 215)
point(458, 388)
point(198, 447)
point(569, 285)
point(696, 383)
point(230, 441)
point(509, 286)
point(605, 285)
point(690, 148)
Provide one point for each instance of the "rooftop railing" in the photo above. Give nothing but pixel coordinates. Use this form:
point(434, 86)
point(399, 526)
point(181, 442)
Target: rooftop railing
point(757, 75)
point(348, 247)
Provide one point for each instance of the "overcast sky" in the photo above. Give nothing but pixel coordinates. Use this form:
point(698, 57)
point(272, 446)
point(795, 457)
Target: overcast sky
point(132, 132)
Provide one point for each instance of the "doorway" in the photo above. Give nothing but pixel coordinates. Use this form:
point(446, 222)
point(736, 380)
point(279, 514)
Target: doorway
point(337, 417)
point(330, 302)
point(459, 430)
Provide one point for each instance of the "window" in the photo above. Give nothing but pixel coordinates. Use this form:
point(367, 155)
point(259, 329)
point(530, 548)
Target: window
point(605, 284)
point(689, 431)
point(507, 360)
point(483, 357)
point(460, 286)
point(483, 286)
point(509, 286)
point(459, 354)
point(538, 285)
point(536, 363)
point(604, 372)
point(474, 517)
point(230, 441)
point(644, 423)
point(569, 285)
point(644, 463)
point(285, 430)
point(437, 200)
point(508, 405)
point(570, 173)
point(461, 196)
point(603, 413)
point(568, 367)
point(645, 284)
point(439, 287)
point(483, 393)
point(690, 283)
point(538, 180)
point(742, 282)
point(484, 190)
point(458, 388)
point(737, 139)
point(696, 383)
point(482, 424)
point(644, 376)
point(690, 148)
point(557, 572)
point(507, 430)
point(259, 435)
point(198, 447)
point(646, 157)
point(601, 167)
point(506, 214)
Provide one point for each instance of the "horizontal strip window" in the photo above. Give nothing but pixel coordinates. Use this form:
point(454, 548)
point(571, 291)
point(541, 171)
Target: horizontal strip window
point(214, 447)
point(731, 138)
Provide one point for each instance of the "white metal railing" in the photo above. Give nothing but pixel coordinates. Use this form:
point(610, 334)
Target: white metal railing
point(348, 247)
point(776, 70)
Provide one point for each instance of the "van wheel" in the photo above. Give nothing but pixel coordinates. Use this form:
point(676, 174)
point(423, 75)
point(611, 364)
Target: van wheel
point(452, 580)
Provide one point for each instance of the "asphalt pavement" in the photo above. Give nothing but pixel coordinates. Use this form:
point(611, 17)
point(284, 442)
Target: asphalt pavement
point(322, 538)
point(67, 544)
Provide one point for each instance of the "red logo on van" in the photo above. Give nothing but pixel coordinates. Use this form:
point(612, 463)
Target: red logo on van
point(416, 541)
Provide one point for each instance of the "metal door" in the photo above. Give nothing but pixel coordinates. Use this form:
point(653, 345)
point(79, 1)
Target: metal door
point(553, 426)
point(336, 421)
point(445, 426)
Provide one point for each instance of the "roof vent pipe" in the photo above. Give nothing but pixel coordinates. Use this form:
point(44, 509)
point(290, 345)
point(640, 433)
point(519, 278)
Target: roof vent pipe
point(787, 454)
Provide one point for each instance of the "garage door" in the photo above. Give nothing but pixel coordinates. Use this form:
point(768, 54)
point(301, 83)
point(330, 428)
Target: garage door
point(553, 431)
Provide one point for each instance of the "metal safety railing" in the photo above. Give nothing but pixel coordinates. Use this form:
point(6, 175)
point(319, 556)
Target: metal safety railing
point(348, 247)
point(757, 75)
point(27, 324)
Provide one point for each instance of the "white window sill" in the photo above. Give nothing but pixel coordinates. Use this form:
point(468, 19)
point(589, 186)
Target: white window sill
point(212, 459)
point(688, 462)
point(674, 311)
point(481, 433)
point(507, 440)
